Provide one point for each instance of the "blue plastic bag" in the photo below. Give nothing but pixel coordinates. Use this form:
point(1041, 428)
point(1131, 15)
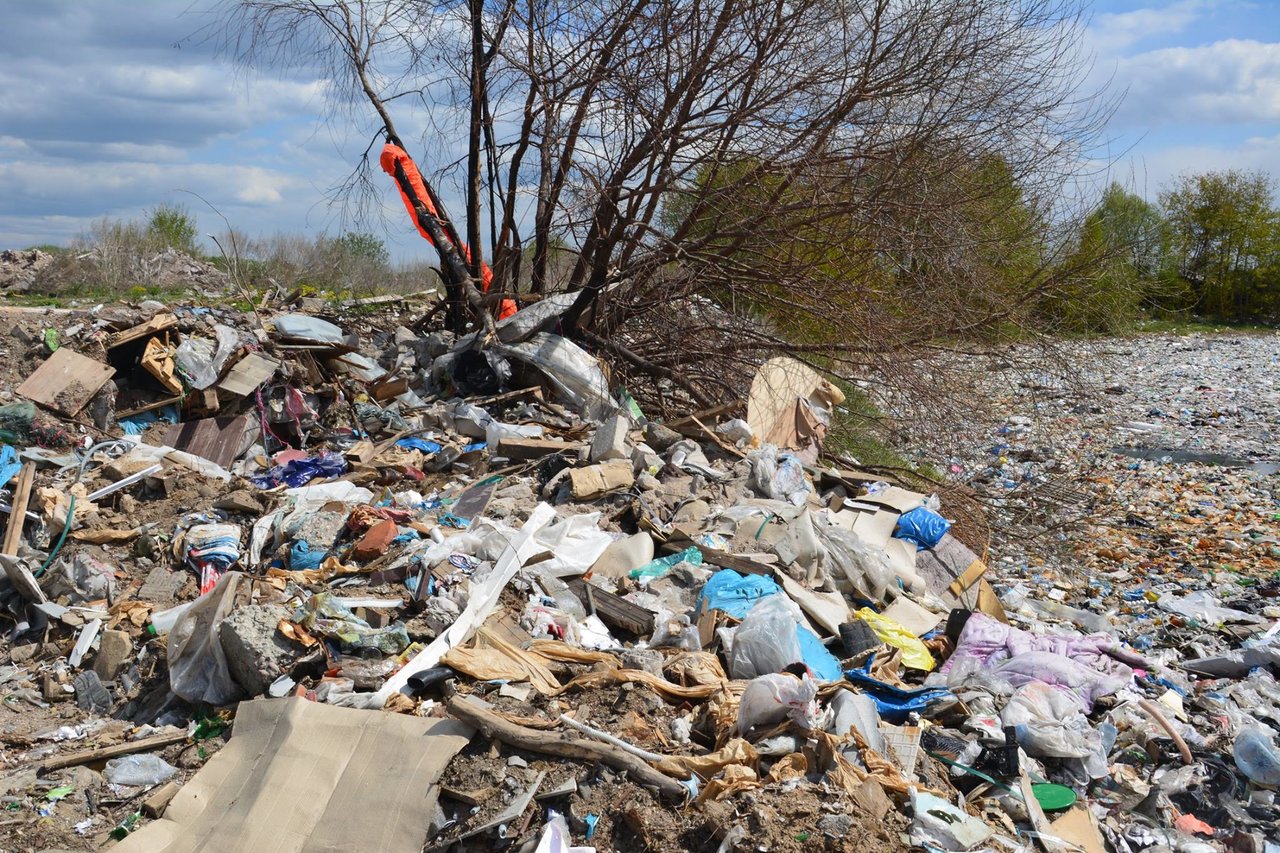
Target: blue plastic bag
point(733, 593)
point(893, 703)
point(302, 557)
point(922, 526)
point(9, 464)
point(299, 472)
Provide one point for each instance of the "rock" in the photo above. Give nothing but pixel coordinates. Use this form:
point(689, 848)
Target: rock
point(257, 654)
point(22, 654)
point(646, 660)
point(835, 825)
point(648, 483)
point(241, 500)
point(439, 343)
point(610, 441)
point(161, 585)
point(517, 761)
point(114, 651)
point(404, 336)
point(660, 438)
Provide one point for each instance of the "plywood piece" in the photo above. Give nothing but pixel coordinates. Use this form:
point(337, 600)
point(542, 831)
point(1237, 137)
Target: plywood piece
point(66, 382)
point(158, 323)
point(220, 440)
point(248, 374)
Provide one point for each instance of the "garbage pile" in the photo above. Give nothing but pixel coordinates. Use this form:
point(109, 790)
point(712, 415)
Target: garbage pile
point(355, 585)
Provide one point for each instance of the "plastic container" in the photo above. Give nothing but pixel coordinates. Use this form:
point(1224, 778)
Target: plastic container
point(162, 622)
point(1256, 755)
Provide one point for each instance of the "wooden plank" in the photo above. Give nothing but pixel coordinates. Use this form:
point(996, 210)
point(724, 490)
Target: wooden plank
point(690, 422)
point(18, 513)
point(614, 611)
point(158, 323)
point(528, 449)
point(388, 388)
point(154, 805)
point(737, 562)
point(219, 440)
point(66, 382)
point(159, 404)
point(248, 374)
point(102, 753)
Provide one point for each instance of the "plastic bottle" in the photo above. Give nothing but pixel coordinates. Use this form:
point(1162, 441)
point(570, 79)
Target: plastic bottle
point(1256, 755)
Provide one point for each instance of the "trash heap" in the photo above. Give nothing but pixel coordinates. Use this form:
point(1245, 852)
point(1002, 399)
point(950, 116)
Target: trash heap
point(349, 585)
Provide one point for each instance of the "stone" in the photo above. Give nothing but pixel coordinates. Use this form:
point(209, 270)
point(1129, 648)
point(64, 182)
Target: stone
point(646, 660)
point(648, 483)
point(114, 650)
point(257, 653)
point(643, 459)
point(660, 438)
point(835, 825)
point(610, 441)
point(161, 585)
point(22, 654)
point(404, 335)
point(517, 761)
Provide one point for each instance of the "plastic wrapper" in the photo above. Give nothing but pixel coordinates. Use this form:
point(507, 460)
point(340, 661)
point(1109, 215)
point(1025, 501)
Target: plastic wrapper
point(571, 369)
point(914, 654)
point(772, 636)
point(778, 476)
point(922, 526)
point(305, 328)
point(323, 614)
point(201, 360)
point(894, 703)
point(857, 710)
point(772, 698)
point(766, 640)
point(575, 542)
point(9, 464)
point(855, 565)
point(733, 593)
point(141, 770)
point(1049, 724)
point(1204, 607)
point(299, 472)
point(662, 565)
point(198, 670)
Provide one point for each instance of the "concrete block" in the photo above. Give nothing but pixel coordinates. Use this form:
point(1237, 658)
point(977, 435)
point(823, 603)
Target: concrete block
point(114, 650)
point(610, 441)
point(257, 654)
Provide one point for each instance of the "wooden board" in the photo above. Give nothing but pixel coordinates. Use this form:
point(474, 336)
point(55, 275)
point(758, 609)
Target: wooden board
point(156, 324)
point(220, 440)
point(614, 611)
point(66, 382)
point(248, 374)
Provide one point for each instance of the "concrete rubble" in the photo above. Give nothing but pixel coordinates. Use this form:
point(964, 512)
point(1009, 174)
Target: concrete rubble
point(663, 633)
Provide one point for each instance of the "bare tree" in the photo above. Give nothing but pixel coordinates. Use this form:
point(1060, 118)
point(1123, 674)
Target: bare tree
point(857, 181)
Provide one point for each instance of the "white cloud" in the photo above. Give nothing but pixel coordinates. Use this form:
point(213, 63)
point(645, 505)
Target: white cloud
point(1111, 32)
point(1153, 171)
point(1229, 81)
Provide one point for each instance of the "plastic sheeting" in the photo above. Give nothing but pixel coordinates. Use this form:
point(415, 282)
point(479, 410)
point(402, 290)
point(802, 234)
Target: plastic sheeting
point(571, 369)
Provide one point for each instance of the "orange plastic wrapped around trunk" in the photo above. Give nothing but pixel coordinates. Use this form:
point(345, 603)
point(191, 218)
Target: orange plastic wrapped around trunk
point(393, 155)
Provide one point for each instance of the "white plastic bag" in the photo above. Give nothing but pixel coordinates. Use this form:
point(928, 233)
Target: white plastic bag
point(144, 769)
point(1050, 724)
point(766, 640)
point(779, 476)
point(771, 698)
point(571, 369)
point(201, 361)
point(854, 565)
point(198, 670)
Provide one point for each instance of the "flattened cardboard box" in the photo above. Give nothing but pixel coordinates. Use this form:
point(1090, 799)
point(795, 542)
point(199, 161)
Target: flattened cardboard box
point(301, 776)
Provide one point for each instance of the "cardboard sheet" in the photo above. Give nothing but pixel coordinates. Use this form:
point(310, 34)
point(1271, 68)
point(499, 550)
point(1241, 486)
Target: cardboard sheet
point(301, 776)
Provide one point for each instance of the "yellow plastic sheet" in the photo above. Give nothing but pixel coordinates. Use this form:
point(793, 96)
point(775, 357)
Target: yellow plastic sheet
point(914, 653)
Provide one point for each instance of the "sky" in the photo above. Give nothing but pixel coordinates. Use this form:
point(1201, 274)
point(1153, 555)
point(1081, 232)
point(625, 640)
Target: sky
point(111, 107)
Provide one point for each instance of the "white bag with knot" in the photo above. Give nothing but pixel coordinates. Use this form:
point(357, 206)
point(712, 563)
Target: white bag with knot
point(766, 640)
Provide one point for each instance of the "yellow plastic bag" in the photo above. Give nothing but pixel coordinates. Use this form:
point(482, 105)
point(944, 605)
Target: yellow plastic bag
point(914, 654)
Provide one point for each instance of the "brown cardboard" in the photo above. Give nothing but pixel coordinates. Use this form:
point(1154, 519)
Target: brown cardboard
point(301, 776)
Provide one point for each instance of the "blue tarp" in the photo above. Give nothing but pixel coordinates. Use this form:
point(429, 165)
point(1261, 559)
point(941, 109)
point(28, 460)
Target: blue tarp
point(894, 703)
point(922, 526)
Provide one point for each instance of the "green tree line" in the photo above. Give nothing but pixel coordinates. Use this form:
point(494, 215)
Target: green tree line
point(1209, 247)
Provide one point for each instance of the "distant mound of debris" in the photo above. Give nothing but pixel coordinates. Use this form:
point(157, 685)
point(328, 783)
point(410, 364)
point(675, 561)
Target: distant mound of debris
point(168, 269)
point(19, 268)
